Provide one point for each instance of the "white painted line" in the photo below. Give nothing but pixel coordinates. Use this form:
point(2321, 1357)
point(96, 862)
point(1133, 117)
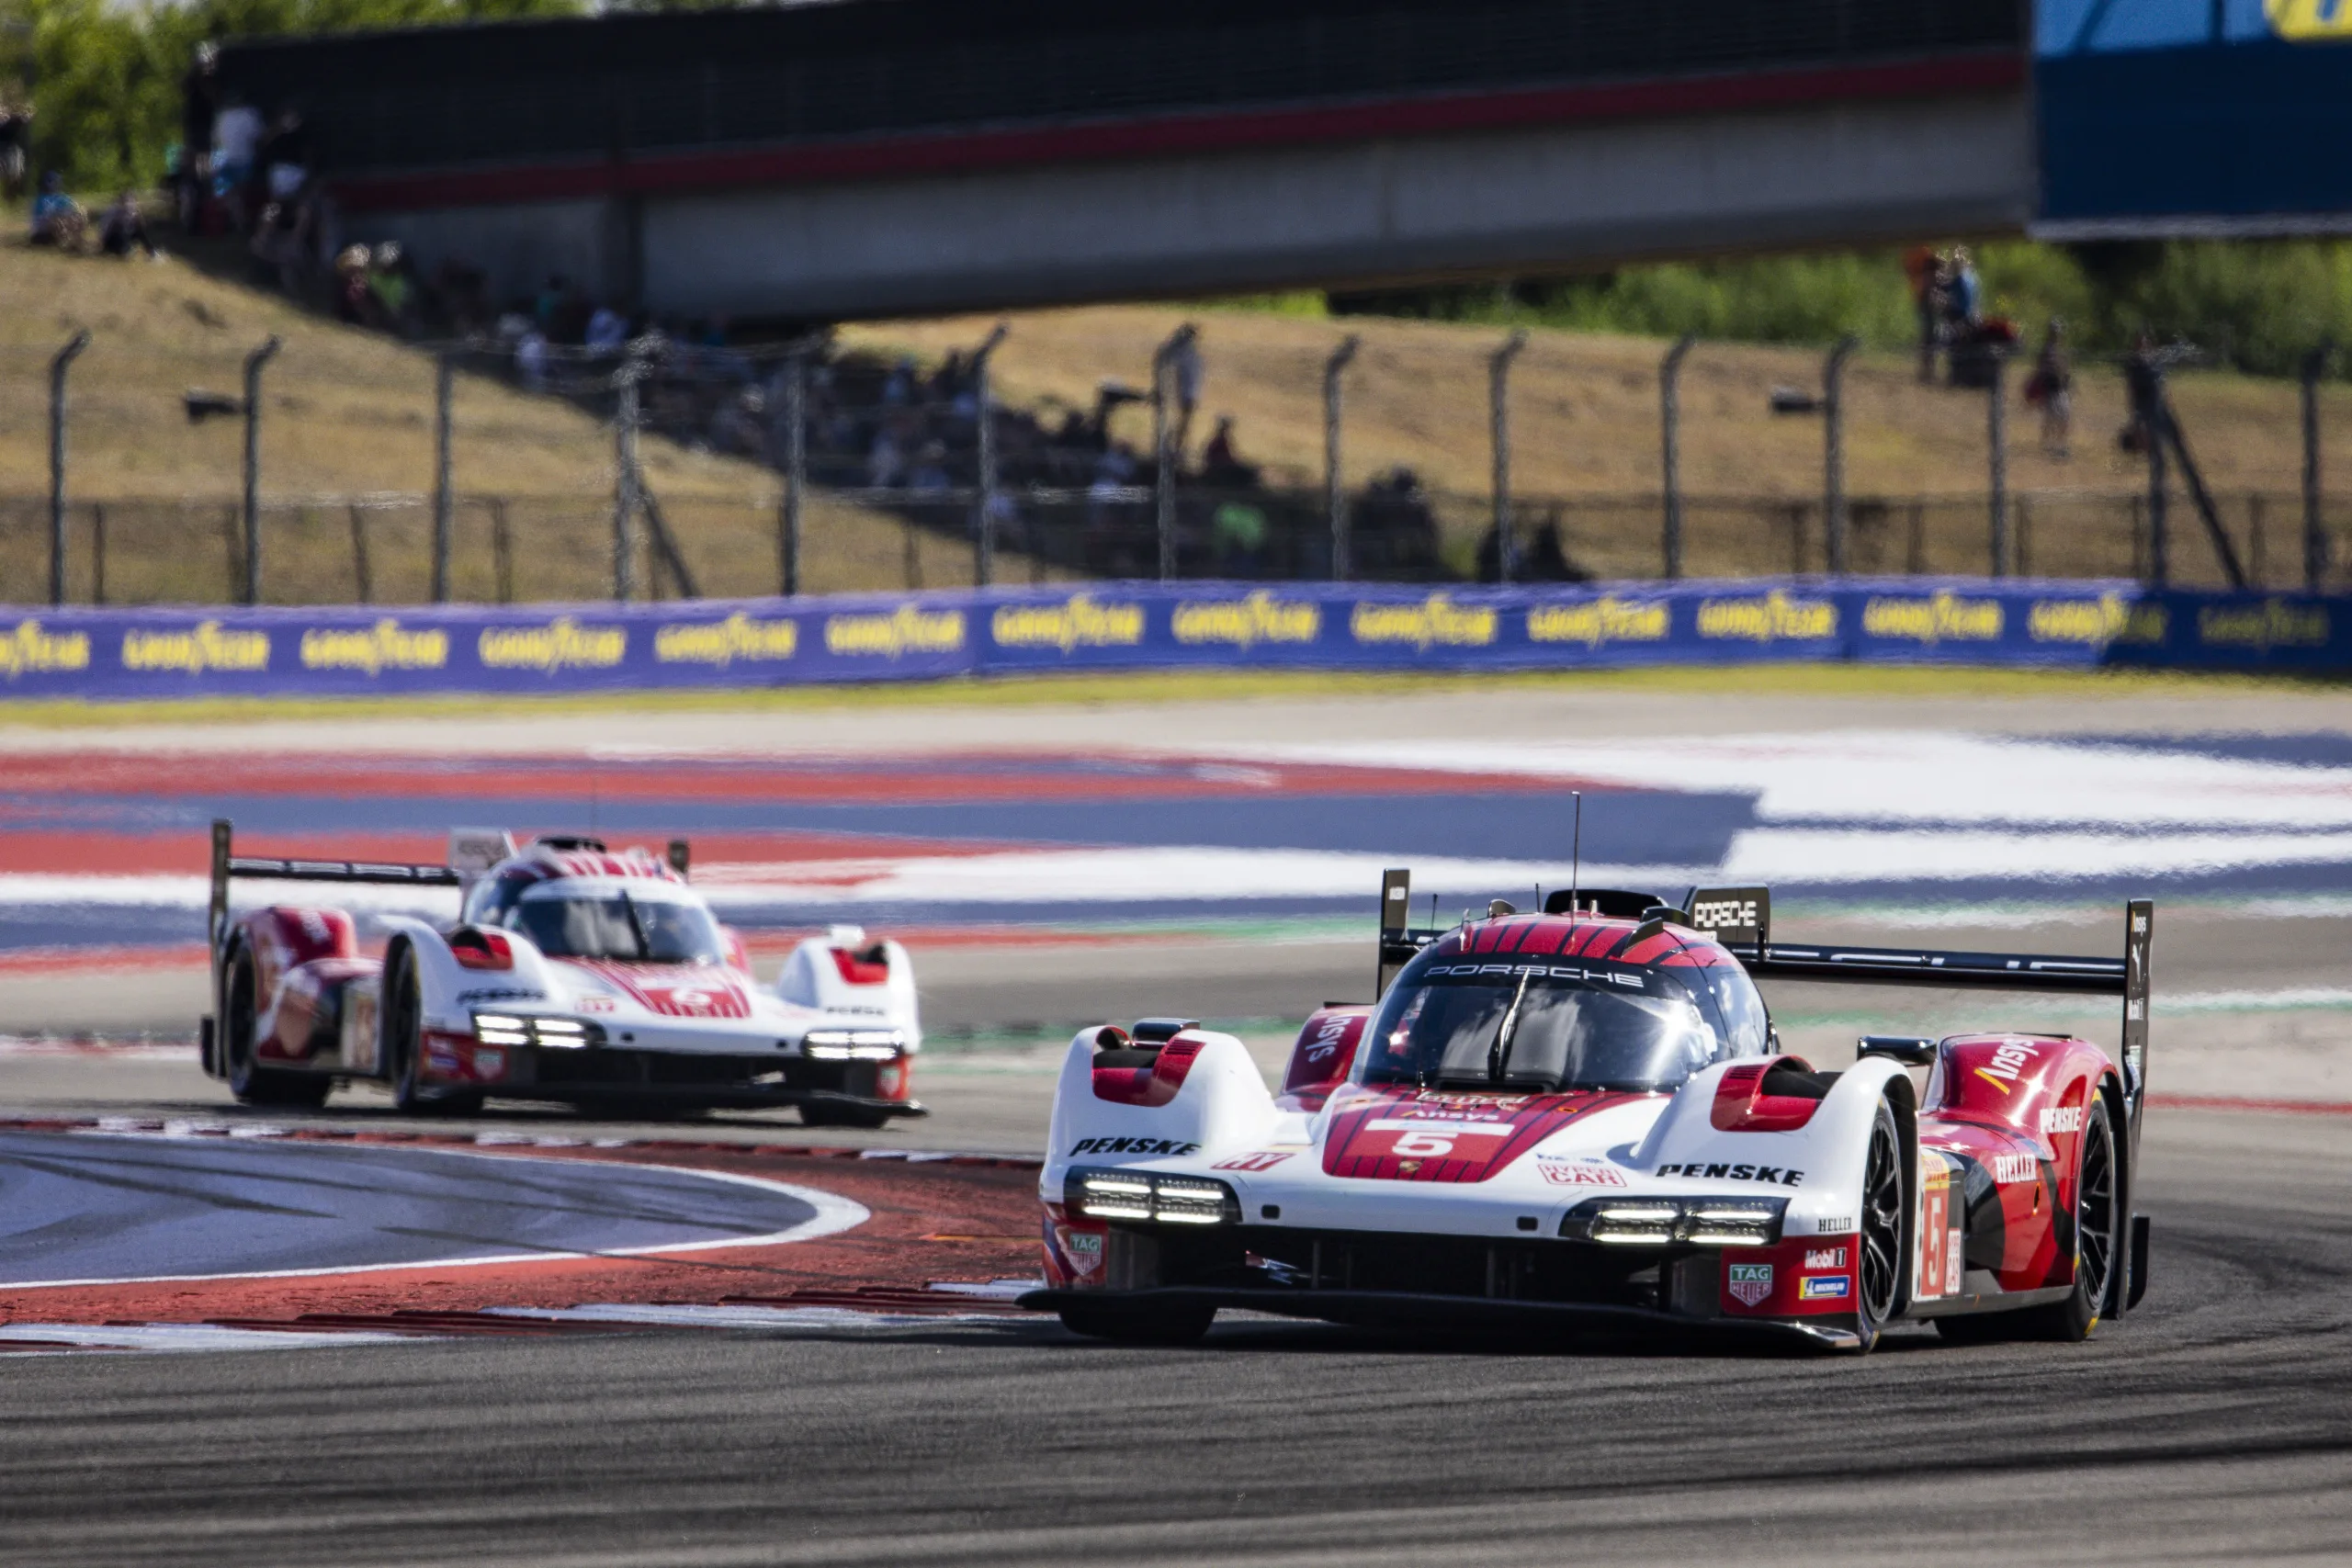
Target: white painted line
point(186, 1336)
point(668, 1315)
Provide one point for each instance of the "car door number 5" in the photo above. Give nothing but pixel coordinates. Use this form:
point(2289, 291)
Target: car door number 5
point(1421, 1145)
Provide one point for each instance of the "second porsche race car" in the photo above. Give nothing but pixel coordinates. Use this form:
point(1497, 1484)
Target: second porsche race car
point(573, 973)
point(1583, 1118)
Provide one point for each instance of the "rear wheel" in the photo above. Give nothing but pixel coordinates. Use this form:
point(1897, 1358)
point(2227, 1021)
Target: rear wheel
point(2097, 1225)
point(404, 1024)
point(1129, 1323)
point(251, 1083)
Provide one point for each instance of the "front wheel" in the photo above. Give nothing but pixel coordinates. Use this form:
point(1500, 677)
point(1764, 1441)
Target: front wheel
point(1127, 1323)
point(1880, 1243)
point(404, 1025)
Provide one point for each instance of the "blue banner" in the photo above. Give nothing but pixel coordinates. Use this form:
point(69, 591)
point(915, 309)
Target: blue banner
point(353, 651)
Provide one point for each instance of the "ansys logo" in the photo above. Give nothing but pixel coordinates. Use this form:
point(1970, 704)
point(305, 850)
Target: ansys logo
point(2310, 21)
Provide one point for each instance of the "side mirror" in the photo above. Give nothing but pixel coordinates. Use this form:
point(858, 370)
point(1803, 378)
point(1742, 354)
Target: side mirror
point(1911, 1050)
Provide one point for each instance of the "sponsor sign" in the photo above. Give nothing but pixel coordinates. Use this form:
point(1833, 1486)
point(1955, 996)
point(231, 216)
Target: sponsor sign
point(1571, 1172)
point(1836, 1224)
point(1264, 1159)
point(1825, 1258)
point(1132, 1146)
point(1748, 1283)
point(1824, 1288)
point(163, 652)
point(2014, 1170)
point(2009, 1058)
point(2062, 1119)
point(1773, 1175)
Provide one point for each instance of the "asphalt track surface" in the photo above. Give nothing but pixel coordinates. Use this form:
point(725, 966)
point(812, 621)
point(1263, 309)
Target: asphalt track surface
point(81, 1208)
point(2210, 1427)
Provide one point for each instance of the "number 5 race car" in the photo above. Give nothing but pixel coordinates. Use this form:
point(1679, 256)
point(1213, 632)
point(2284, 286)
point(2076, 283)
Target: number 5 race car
point(573, 973)
point(1583, 1119)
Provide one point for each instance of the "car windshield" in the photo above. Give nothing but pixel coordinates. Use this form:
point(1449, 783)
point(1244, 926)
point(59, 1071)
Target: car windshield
point(1529, 1028)
point(614, 925)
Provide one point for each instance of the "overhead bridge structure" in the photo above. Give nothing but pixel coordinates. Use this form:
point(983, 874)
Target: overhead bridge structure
point(868, 157)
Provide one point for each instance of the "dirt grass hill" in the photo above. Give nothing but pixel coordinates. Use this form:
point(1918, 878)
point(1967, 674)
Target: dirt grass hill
point(1584, 411)
point(347, 417)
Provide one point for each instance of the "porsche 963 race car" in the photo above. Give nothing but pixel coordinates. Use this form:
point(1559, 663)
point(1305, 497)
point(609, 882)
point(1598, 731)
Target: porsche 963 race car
point(1582, 1118)
point(572, 974)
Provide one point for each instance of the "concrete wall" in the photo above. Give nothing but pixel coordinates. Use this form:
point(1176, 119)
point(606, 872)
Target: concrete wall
point(1588, 195)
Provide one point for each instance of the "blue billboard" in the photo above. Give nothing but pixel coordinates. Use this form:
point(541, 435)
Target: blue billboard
point(2184, 116)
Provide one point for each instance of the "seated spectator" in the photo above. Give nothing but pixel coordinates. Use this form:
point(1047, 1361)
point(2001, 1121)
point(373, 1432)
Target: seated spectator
point(58, 218)
point(352, 301)
point(531, 358)
point(931, 468)
point(285, 157)
point(900, 384)
point(608, 330)
point(122, 228)
point(1239, 532)
point(389, 283)
point(1221, 464)
point(884, 462)
point(1547, 560)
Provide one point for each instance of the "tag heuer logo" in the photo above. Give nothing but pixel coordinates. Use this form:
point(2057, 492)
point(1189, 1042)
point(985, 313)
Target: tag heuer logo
point(1750, 1282)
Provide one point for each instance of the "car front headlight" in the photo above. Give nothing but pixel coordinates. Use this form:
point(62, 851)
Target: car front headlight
point(853, 1044)
point(1661, 1221)
point(1102, 1194)
point(512, 1029)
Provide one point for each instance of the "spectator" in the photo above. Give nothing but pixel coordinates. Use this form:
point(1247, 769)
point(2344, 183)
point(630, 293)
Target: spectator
point(531, 359)
point(199, 110)
point(236, 138)
point(608, 330)
point(1547, 560)
point(1922, 267)
point(1221, 464)
point(58, 218)
point(2051, 388)
point(931, 468)
point(884, 461)
point(282, 245)
point(1185, 366)
point(285, 157)
point(353, 302)
point(1238, 531)
point(900, 384)
point(122, 228)
point(1966, 304)
point(389, 286)
point(16, 147)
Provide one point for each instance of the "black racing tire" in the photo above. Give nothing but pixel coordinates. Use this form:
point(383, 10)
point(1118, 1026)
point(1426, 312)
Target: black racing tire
point(1881, 1256)
point(2097, 1225)
point(832, 1113)
point(402, 1010)
point(1125, 1322)
point(250, 1082)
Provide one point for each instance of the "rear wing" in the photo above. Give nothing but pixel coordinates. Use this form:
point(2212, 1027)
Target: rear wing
point(473, 852)
point(1741, 920)
point(228, 866)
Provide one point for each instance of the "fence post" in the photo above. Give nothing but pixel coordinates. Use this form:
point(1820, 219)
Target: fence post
point(362, 577)
point(1670, 412)
point(984, 474)
point(625, 475)
point(502, 551)
point(1996, 446)
point(1163, 460)
point(795, 468)
point(2314, 525)
point(1833, 454)
point(254, 363)
point(58, 364)
point(2145, 381)
point(1335, 501)
point(444, 502)
point(1498, 433)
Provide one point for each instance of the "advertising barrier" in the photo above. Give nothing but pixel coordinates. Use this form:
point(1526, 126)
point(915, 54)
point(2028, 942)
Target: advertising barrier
point(349, 651)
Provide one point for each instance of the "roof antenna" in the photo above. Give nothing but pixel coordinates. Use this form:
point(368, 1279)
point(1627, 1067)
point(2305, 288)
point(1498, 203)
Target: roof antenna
point(1576, 850)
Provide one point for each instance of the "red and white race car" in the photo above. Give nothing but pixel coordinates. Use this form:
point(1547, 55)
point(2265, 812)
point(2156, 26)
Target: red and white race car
point(1583, 1119)
point(573, 973)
